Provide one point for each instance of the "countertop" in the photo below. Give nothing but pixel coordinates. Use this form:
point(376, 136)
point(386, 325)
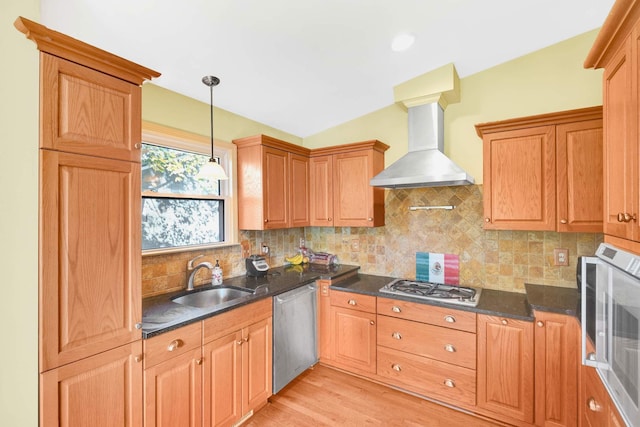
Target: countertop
point(161, 314)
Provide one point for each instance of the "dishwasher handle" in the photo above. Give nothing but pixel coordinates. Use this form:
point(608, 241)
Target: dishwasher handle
point(297, 293)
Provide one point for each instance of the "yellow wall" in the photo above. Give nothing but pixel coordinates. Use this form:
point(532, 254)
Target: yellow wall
point(171, 109)
point(551, 79)
point(19, 223)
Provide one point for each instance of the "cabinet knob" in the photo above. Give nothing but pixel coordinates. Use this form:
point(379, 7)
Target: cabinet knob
point(329, 219)
point(449, 319)
point(504, 321)
point(138, 325)
point(450, 348)
point(563, 221)
point(137, 145)
point(396, 309)
point(540, 323)
point(487, 220)
point(396, 367)
point(372, 322)
point(199, 362)
point(352, 302)
point(266, 220)
point(174, 345)
point(239, 342)
point(369, 219)
point(593, 405)
point(138, 358)
point(397, 335)
point(449, 383)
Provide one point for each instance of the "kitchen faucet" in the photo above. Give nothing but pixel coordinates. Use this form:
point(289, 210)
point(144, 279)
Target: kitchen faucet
point(195, 269)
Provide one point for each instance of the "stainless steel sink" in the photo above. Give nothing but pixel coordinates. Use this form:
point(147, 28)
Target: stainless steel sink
point(211, 297)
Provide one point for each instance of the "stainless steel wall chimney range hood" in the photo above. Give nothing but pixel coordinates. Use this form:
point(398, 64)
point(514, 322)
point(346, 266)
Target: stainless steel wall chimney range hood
point(425, 164)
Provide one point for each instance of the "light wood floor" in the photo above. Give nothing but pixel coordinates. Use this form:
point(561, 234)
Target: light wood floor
point(325, 397)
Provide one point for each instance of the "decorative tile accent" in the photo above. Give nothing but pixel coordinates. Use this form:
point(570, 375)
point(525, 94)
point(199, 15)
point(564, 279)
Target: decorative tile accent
point(504, 260)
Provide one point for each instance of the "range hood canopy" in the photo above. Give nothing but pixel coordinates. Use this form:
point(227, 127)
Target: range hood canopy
point(425, 164)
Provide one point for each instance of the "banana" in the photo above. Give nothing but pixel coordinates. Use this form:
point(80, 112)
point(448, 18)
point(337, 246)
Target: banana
point(295, 260)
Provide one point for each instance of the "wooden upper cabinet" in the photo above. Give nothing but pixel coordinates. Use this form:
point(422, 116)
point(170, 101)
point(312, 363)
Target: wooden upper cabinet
point(273, 184)
point(505, 367)
point(341, 195)
point(544, 172)
point(88, 112)
point(579, 176)
point(617, 50)
point(90, 271)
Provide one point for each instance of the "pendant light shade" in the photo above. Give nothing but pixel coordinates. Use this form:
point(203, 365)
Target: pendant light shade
point(212, 169)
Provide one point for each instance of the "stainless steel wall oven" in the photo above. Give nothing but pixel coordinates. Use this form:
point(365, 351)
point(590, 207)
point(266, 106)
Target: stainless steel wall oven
point(611, 320)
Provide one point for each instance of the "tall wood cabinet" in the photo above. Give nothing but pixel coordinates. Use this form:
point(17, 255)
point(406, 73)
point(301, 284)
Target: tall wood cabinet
point(544, 172)
point(273, 184)
point(617, 50)
point(341, 195)
point(505, 368)
point(89, 245)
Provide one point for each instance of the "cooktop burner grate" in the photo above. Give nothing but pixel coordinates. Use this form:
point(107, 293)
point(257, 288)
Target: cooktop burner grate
point(434, 291)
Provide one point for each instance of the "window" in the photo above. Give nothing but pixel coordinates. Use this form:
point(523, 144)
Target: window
point(179, 210)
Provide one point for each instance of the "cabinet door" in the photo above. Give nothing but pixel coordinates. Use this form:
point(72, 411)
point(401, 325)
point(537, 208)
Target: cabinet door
point(519, 179)
point(324, 320)
point(102, 390)
point(276, 188)
point(256, 365)
point(557, 367)
point(173, 392)
point(354, 335)
point(352, 194)
point(222, 395)
point(90, 290)
point(321, 201)
point(299, 190)
point(594, 405)
point(505, 367)
point(579, 176)
point(85, 111)
point(620, 147)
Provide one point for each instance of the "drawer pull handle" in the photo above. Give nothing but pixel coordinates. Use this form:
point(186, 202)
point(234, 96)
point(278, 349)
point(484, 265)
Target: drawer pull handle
point(450, 348)
point(449, 319)
point(174, 345)
point(396, 309)
point(593, 405)
point(397, 335)
point(449, 383)
point(396, 367)
point(504, 321)
point(352, 302)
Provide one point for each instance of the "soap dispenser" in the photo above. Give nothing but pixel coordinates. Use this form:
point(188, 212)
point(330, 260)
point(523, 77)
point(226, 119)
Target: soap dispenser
point(216, 278)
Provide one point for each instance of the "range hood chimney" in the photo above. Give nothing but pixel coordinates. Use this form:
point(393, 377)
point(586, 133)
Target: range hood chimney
point(425, 164)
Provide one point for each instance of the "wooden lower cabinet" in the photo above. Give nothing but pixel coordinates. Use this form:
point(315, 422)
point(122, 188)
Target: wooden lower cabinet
point(237, 363)
point(557, 368)
point(101, 390)
point(353, 332)
point(506, 368)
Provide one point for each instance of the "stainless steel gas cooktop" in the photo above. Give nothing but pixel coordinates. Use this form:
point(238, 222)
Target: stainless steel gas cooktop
point(450, 294)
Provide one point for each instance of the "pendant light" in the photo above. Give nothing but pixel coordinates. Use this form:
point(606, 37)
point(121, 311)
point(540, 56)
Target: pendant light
point(213, 169)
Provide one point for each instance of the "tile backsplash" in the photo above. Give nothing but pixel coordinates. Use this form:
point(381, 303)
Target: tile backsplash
point(504, 260)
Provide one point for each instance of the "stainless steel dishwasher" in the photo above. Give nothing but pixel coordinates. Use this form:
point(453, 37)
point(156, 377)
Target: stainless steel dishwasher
point(295, 346)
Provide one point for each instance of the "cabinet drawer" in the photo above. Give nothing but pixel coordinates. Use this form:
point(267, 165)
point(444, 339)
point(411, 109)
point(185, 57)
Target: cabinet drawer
point(172, 343)
point(235, 319)
point(353, 301)
point(444, 344)
point(428, 377)
point(435, 315)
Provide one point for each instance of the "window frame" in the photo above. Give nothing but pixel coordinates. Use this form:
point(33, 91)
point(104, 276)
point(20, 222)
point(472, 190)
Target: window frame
point(164, 136)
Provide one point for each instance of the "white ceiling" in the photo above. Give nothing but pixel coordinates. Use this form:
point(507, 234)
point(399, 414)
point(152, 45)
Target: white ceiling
point(303, 66)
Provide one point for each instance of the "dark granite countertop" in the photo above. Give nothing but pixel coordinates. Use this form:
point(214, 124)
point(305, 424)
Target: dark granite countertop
point(160, 314)
point(492, 302)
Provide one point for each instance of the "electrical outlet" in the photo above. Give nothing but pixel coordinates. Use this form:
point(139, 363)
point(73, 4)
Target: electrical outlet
point(355, 245)
point(265, 248)
point(561, 257)
point(302, 242)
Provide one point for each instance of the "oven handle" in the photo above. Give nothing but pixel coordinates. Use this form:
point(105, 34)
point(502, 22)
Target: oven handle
point(596, 359)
